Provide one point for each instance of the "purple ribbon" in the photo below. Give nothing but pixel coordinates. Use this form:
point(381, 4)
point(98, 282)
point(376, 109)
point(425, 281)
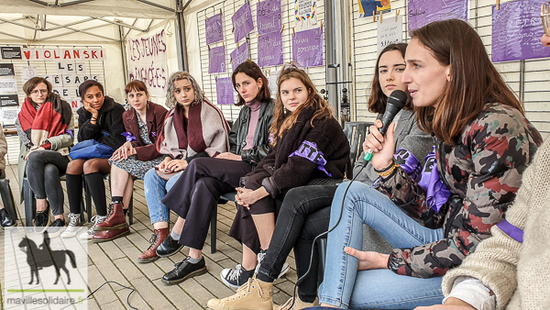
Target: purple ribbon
point(406, 160)
point(129, 136)
point(70, 131)
point(153, 134)
point(309, 151)
point(511, 230)
point(437, 192)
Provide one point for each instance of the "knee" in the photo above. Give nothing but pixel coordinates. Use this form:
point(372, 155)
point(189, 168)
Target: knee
point(51, 172)
point(33, 157)
point(93, 165)
point(75, 166)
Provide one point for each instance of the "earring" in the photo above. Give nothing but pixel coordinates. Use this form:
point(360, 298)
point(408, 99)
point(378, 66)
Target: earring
point(259, 88)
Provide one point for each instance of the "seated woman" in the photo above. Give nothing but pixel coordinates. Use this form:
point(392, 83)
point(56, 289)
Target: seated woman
point(195, 195)
point(486, 144)
point(6, 219)
point(307, 143)
point(45, 127)
point(305, 210)
point(100, 119)
point(132, 160)
point(193, 128)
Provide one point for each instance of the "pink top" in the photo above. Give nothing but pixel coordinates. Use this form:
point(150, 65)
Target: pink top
point(254, 106)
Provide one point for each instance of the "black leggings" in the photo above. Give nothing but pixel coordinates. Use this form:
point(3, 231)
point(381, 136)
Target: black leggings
point(46, 167)
point(304, 214)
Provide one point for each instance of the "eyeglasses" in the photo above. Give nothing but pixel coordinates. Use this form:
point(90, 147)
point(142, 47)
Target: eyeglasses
point(41, 91)
point(545, 16)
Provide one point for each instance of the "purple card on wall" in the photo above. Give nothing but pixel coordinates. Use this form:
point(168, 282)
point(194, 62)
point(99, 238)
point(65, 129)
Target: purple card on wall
point(269, 16)
point(270, 49)
point(217, 60)
point(517, 31)
point(423, 12)
point(224, 91)
point(214, 29)
point(307, 47)
point(242, 22)
point(239, 55)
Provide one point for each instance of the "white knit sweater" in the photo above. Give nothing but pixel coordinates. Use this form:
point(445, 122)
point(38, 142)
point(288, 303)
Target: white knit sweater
point(518, 274)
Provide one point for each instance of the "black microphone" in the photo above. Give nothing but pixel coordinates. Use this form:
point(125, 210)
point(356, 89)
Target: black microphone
point(396, 102)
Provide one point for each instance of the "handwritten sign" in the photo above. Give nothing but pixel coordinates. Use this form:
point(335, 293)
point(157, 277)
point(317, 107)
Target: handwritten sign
point(224, 91)
point(242, 22)
point(217, 60)
point(61, 80)
point(147, 61)
point(517, 31)
point(369, 7)
point(423, 12)
point(270, 50)
point(389, 32)
point(239, 55)
point(29, 72)
point(307, 47)
point(272, 82)
point(63, 54)
point(214, 29)
point(304, 13)
point(269, 16)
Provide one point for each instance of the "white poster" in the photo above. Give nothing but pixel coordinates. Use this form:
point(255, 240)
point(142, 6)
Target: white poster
point(8, 116)
point(29, 72)
point(305, 15)
point(8, 86)
point(389, 31)
point(147, 61)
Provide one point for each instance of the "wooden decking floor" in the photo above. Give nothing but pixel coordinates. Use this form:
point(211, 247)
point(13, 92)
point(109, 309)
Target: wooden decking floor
point(117, 261)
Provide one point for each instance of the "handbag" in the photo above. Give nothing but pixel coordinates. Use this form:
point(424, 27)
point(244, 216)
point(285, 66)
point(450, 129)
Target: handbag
point(88, 149)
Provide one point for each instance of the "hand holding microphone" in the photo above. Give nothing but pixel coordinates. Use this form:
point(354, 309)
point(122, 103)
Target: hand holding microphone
point(375, 141)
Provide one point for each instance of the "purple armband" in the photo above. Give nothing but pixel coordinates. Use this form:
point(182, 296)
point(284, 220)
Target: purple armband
point(437, 193)
point(129, 136)
point(406, 160)
point(511, 230)
point(70, 132)
point(309, 151)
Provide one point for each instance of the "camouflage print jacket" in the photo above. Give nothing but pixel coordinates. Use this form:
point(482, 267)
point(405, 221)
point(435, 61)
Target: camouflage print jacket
point(482, 172)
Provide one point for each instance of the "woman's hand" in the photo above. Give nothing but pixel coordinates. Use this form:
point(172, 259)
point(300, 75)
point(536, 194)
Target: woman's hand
point(163, 163)
point(450, 304)
point(247, 197)
point(369, 260)
point(37, 149)
point(176, 165)
point(230, 156)
point(382, 147)
point(88, 107)
point(123, 152)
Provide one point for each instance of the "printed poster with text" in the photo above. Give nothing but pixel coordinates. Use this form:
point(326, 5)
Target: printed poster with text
point(369, 7)
point(423, 12)
point(147, 61)
point(517, 31)
point(307, 47)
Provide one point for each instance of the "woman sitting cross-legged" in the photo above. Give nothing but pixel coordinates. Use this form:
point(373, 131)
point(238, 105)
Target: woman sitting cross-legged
point(132, 160)
point(195, 195)
point(307, 143)
point(45, 127)
point(100, 119)
point(465, 187)
point(193, 128)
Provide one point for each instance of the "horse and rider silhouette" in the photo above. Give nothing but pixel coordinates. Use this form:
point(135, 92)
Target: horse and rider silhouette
point(36, 255)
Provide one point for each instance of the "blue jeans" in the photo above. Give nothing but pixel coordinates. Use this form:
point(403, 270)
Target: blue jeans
point(155, 189)
point(379, 288)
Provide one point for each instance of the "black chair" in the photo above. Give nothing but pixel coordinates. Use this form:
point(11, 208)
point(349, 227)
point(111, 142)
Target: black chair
point(356, 133)
point(7, 198)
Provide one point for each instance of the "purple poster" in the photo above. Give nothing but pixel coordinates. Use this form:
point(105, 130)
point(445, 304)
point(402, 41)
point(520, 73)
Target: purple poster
point(214, 29)
point(224, 91)
point(269, 16)
point(239, 55)
point(270, 49)
point(307, 47)
point(217, 60)
point(423, 12)
point(517, 31)
point(242, 22)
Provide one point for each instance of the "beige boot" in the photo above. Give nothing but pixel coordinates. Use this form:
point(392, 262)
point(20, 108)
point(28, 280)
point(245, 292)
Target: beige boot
point(254, 295)
point(295, 304)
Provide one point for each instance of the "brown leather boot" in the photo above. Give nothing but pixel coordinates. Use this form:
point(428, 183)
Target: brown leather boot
point(108, 235)
point(115, 220)
point(156, 239)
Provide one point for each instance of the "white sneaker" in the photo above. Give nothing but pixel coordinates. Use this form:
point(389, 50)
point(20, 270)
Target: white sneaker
point(261, 256)
point(72, 228)
point(88, 234)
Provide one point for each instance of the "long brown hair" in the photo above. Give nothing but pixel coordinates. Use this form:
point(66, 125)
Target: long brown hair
point(378, 100)
point(29, 86)
point(283, 120)
point(474, 80)
point(251, 69)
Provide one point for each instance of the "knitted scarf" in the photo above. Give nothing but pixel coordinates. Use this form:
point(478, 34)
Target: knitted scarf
point(51, 119)
point(207, 131)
